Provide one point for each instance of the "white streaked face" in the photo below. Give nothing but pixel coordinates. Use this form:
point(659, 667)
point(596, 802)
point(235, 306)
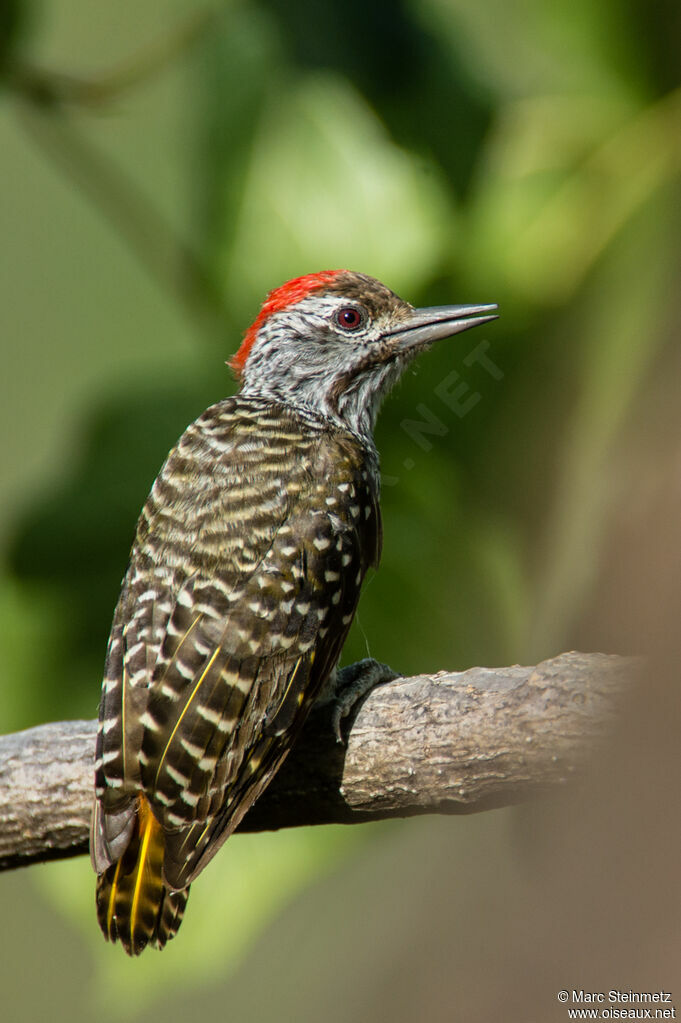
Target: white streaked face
point(338, 350)
point(327, 352)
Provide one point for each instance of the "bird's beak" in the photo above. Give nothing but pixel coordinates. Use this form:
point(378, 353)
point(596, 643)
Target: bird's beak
point(435, 322)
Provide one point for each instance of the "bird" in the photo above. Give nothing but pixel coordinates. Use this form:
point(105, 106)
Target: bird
point(243, 580)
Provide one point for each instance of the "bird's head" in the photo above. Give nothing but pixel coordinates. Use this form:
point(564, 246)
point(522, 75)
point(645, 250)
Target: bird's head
point(336, 341)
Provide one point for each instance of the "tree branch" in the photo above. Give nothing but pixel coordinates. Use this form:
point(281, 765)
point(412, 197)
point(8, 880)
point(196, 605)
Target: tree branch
point(447, 743)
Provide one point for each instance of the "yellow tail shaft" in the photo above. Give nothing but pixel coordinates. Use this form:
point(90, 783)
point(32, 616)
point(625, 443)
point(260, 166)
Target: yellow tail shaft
point(134, 906)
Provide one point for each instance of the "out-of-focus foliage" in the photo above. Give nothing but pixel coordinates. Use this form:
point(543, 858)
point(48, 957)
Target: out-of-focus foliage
point(12, 22)
point(527, 154)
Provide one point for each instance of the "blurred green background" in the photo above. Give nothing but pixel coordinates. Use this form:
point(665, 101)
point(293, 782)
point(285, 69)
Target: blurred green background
point(163, 166)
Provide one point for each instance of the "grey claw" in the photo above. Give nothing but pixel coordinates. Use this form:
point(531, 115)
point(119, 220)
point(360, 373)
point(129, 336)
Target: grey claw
point(352, 684)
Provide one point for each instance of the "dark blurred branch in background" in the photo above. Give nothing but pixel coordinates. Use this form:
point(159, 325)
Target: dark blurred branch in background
point(130, 211)
point(52, 89)
point(447, 743)
point(50, 101)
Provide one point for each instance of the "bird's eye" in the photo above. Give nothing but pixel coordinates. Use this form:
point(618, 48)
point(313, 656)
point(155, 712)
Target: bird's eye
point(349, 317)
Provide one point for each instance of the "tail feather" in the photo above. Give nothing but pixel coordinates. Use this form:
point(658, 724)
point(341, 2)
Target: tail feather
point(134, 906)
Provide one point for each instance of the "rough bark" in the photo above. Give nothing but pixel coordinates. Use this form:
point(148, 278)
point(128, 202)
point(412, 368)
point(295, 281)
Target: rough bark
point(447, 743)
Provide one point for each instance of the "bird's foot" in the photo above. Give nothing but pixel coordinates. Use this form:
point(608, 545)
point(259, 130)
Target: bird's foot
point(350, 685)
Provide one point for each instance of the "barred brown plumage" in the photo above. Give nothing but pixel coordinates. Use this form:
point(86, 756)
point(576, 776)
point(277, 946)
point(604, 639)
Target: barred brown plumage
point(243, 581)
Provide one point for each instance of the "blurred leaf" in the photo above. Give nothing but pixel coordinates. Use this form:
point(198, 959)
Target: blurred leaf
point(328, 189)
point(532, 48)
point(403, 67)
point(564, 176)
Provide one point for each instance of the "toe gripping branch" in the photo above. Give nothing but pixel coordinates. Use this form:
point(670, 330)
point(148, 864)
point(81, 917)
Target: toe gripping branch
point(351, 685)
